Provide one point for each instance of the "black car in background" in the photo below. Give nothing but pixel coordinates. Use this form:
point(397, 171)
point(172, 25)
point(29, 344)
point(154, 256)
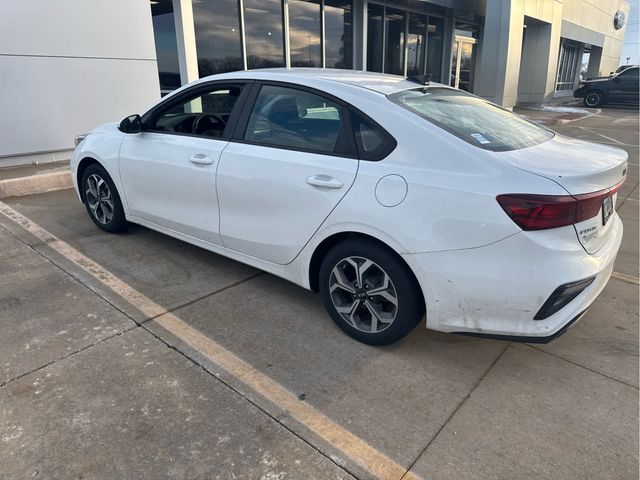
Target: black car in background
point(621, 87)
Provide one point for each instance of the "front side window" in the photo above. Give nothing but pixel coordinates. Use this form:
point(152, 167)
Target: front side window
point(206, 114)
point(296, 119)
point(472, 118)
point(629, 73)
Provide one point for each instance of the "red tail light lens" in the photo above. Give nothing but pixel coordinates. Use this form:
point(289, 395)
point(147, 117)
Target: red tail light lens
point(539, 212)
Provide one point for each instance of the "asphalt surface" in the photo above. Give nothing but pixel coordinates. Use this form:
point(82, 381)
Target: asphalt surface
point(93, 386)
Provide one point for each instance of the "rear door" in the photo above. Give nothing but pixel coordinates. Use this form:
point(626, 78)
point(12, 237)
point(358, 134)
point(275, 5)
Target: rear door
point(624, 87)
point(291, 161)
point(169, 170)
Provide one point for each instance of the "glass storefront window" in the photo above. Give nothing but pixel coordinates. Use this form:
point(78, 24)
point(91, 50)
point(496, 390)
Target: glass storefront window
point(304, 33)
point(263, 33)
point(218, 41)
point(164, 33)
point(435, 44)
point(394, 46)
point(416, 40)
point(375, 37)
point(338, 33)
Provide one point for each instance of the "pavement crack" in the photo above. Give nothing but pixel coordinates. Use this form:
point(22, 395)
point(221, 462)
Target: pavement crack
point(207, 295)
point(473, 388)
point(581, 366)
point(82, 349)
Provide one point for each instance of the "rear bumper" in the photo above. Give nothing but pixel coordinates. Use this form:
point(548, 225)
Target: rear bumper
point(497, 290)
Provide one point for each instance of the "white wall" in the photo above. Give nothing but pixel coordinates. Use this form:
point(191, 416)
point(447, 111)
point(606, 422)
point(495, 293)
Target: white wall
point(67, 66)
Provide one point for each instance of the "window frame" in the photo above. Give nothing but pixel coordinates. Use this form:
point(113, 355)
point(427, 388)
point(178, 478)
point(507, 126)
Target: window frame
point(151, 116)
point(243, 120)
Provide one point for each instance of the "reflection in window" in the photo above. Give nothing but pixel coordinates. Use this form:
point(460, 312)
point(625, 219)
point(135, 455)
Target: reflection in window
point(263, 32)
point(394, 51)
point(435, 45)
point(304, 33)
point(164, 33)
point(375, 27)
point(218, 43)
point(338, 33)
point(416, 44)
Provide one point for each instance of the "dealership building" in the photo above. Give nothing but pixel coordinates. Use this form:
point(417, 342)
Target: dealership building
point(68, 66)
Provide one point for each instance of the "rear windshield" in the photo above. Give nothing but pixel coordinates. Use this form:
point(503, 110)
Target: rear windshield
point(472, 118)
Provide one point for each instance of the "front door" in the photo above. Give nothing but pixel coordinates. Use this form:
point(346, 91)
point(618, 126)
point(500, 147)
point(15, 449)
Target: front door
point(169, 170)
point(284, 173)
point(462, 63)
point(624, 87)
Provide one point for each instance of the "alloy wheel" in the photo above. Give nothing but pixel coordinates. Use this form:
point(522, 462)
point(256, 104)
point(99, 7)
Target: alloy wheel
point(363, 294)
point(592, 99)
point(99, 199)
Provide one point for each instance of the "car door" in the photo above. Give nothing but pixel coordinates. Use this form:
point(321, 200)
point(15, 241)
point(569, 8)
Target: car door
point(169, 169)
point(624, 86)
point(291, 161)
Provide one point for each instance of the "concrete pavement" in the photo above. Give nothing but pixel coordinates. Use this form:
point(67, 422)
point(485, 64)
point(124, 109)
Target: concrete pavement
point(117, 395)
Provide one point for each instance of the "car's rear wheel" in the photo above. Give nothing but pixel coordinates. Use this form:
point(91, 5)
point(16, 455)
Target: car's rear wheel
point(593, 98)
point(102, 200)
point(370, 292)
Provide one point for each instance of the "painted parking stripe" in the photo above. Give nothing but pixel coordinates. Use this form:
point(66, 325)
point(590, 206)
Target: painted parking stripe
point(626, 278)
point(369, 458)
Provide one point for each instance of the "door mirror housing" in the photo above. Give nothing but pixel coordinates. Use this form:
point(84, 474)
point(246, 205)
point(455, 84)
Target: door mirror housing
point(131, 124)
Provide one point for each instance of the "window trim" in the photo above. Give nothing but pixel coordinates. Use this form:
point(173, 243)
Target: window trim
point(151, 116)
point(243, 120)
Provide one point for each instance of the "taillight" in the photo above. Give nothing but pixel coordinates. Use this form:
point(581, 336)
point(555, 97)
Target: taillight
point(539, 212)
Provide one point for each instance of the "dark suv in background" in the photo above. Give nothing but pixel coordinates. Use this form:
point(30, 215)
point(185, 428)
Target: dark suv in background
point(620, 87)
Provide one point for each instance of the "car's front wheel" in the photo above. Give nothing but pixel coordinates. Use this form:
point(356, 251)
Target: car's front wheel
point(102, 200)
point(593, 98)
point(370, 292)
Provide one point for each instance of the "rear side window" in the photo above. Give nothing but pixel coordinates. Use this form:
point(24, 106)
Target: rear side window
point(471, 118)
point(372, 141)
point(297, 119)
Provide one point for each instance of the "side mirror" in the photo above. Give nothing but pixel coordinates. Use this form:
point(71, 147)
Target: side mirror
point(131, 124)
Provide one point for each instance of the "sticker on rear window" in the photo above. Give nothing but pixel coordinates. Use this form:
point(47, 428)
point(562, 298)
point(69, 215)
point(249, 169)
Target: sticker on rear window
point(480, 138)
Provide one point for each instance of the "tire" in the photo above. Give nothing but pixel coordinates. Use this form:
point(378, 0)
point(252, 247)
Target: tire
point(398, 307)
point(593, 98)
point(101, 199)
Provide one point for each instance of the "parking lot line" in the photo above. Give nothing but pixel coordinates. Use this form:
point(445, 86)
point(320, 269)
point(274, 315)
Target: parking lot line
point(366, 456)
point(626, 278)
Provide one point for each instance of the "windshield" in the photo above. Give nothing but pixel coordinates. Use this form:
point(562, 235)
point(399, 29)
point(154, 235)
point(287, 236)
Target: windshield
point(471, 118)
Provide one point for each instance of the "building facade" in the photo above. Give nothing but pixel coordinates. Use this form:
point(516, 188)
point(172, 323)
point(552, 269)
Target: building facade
point(104, 60)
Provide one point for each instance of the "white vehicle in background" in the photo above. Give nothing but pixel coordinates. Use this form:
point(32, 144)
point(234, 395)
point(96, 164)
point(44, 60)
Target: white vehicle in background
point(390, 197)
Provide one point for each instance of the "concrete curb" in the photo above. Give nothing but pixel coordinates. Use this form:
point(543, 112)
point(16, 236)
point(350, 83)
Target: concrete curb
point(46, 182)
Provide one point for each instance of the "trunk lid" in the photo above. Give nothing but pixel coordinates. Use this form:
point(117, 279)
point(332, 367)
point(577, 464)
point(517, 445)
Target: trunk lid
point(580, 168)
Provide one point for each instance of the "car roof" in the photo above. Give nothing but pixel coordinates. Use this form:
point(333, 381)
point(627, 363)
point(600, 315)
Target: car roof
point(378, 82)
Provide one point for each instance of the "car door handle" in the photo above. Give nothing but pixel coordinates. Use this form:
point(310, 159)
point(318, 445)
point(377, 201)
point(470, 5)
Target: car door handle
point(200, 159)
point(324, 181)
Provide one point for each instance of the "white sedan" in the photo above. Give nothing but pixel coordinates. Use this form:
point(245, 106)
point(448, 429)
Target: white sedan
point(390, 196)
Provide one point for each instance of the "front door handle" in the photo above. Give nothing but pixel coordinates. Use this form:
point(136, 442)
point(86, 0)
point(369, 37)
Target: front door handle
point(200, 159)
point(324, 181)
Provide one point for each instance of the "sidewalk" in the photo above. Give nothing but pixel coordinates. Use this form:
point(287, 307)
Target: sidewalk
point(29, 179)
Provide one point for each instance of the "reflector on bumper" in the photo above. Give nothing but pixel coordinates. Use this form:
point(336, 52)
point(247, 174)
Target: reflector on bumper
point(561, 296)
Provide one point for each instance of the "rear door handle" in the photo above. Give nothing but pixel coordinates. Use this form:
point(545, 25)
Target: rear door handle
point(324, 181)
point(200, 159)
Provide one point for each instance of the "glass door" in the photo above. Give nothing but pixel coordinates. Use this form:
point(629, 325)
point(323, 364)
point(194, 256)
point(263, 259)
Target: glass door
point(462, 63)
